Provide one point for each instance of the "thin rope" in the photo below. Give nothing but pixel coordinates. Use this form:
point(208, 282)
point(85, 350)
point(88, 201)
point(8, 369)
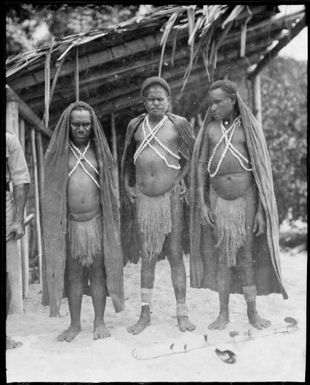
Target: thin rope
point(227, 136)
point(79, 157)
point(147, 142)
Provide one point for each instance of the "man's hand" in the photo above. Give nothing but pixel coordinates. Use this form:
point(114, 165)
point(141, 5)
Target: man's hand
point(183, 187)
point(206, 215)
point(259, 223)
point(17, 229)
point(131, 192)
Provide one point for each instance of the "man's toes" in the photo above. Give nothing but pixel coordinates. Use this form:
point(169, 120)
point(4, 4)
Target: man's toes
point(131, 328)
point(69, 337)
point(61, 337)
point(266, 323)
point(212, 327)
point(138, 329)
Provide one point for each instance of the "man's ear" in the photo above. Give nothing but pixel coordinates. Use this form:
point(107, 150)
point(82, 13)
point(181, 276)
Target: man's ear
point(233, 98)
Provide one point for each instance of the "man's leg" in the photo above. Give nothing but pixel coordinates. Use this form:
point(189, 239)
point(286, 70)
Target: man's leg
point(99, 295)
point(223, 281)
point(223, 276)
point(245, 265)
point(10, 343)
point(175, 257)
point(74, 280)
point(147, 285)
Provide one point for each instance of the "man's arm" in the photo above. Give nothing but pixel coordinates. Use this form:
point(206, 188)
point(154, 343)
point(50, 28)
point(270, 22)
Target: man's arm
point(130, 190)
point(128, 166)
point(259, 220)
point(202, 175)
point(20, 193)
point(19, 175)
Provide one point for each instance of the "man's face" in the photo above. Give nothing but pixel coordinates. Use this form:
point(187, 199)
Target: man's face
point(222, 104)
point(80, 127)
point(156, 101)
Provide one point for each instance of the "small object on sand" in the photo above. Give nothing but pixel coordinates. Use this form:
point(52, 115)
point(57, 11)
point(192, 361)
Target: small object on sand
point(233, 334)
point(249, 333)
point(205, 337)
point(226, 356)
point(290, 320)
point(171, 346)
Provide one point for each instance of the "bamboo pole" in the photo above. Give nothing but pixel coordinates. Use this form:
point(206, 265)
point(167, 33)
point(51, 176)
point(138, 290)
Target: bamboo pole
point(37, 202)
point(40, 157)
point(76, 75)
point(25, 239)
point(14, 277)
point(114, 152)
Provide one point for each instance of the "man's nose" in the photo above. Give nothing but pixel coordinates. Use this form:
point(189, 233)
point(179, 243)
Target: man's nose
point(213, 107)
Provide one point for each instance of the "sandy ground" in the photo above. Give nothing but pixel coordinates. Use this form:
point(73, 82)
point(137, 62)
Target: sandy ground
point(279, 357)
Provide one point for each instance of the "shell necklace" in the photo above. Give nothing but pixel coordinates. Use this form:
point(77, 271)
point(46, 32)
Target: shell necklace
point(227, 136)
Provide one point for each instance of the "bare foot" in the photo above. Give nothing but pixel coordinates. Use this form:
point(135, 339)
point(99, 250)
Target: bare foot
point(69, 334)
point(101, 331)
point(220, 323)
point(11, 344)
point(185, 324)
point(258, 322)
point(143, 322)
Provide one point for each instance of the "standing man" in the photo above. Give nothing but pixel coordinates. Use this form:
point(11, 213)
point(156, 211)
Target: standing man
point(17, 173)
point(81, 220)
point(234, 219)
point(155, 161)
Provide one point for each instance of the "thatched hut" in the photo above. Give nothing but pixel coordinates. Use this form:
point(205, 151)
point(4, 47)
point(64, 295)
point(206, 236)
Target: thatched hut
point(187, 45)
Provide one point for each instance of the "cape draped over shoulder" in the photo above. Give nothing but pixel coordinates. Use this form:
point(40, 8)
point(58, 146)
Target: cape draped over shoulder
point(203, 265)
point(129, 227)
point(55, 213)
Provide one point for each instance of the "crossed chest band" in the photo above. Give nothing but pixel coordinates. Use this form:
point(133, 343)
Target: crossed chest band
point(227, 137)
point(79, 155)
point(146, 142)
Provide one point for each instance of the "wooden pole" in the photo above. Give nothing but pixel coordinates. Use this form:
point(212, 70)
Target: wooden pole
point(294, 31)
point(257, 99)
point(114, 152)
point(26, 112)
point(37, 202)
point(76, 75)
point(40, 157)
point(14, 277)
point(25, 239)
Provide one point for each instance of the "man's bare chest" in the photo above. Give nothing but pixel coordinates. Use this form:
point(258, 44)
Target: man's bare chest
point(80, 161)
point(167, 134)
point(220, 139)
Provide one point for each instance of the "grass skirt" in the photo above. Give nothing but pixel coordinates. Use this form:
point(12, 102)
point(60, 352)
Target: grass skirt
point(154, 218)
point(230, 222)
point(85, 237)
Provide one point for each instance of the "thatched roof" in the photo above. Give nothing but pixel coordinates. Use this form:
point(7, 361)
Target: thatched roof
point(114, 61)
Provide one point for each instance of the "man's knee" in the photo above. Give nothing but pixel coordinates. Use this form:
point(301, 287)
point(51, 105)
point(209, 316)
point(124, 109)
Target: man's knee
point(97, 268)
point(74, 271)
point(175, 258)
point(245, 266)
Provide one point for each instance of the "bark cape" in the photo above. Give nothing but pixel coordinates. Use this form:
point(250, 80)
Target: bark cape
point(129, 226)
point(55, 213)
point(203, 263)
